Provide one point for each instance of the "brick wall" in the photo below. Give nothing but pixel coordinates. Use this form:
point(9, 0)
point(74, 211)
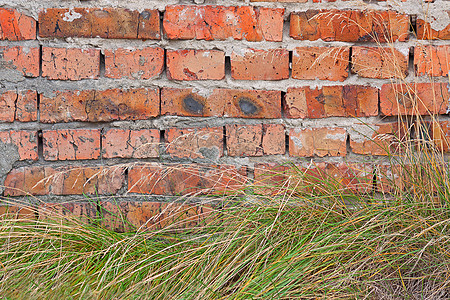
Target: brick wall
point(164, 98)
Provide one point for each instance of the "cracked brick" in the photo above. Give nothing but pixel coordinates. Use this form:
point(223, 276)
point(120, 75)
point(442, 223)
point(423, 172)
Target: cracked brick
point(324, 141)
point(432, 60)
point(22, 59)
point(26, 142)
point(379, 62)
point(71, 144)
point(205, 143)
point(15, 26)
point(127, 143)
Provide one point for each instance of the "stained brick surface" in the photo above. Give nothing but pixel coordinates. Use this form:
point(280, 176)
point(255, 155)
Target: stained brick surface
point(126, 143)
point(15, 26)
point(326, 141)
point(24, 60)
point(195, 65)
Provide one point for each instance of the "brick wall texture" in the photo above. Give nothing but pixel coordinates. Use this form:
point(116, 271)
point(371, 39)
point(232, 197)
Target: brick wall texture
point(203, 97)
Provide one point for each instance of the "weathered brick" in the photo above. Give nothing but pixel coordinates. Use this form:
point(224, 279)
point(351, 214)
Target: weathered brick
point(8, 106)
point(221, 22)
point(85, 212)
point(324, 63)
point(425, 31)
point(71, 144)
point(185, 179)
point(221, 102)
point(324, 141)
point(100, 106)
point(134, 63)
point(283, 1)
point(205, 143)
point(376, 139)
point(128, 216)
point(351, 177)
point(25, 141)
point(254, 64)
point(22, 59)
point(271, 178)
point(70, 180)
point(440, 134)
point(195, 64)
point(414, 98)
point(18, 212)
point(432, 60)
point(391, 177)
point(331, 101)
point(379, 62)
point(26, 106)
point(112, 23)
point(70, 64)
point(255, 140)
point(15, 26)
point(125, 143)
point(349, 26)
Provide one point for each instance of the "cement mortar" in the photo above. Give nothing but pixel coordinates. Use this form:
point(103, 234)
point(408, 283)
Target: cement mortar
point(9, 155)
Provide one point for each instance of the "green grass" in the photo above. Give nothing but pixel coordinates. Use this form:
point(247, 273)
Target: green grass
point(293, 246)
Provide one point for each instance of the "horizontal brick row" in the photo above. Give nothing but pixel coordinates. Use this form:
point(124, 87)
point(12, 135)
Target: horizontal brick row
point(118, 216)
point(198, 179)
point(299, 102)
point(211, 143)
point(216, 23)
point(308, 63)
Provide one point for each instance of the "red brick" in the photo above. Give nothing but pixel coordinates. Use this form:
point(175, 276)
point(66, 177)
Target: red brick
point(22, 59)
point(128, 216)
point(414, 98)
point(253, 64)
point(324, 63)
point(272, 179)
point(112, 23)
point(135, 63)
point(15, 26)
point(71, 144)
point(426, 32)
point(100, 106)
point(440, 134)
point(376, 139)
point(127, 143)
point(350, 177)
point(221, 102)
point(220, 23)
point(432, 60)
point(18, 212)
point(324, 141)
point(392, 177)
point(26, 142)
point(70, 64)
point(85, 212)
point(185, 179)
point(195, 65)
point(255, 140)
point(205, 143)
point(349, 26)
point(283, 1)
point(21, 106)
point(8, 106)
point(331, 101)
point(379, 62)
point(43, 180)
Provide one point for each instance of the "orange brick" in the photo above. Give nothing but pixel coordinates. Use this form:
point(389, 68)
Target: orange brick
point(255, 64)
point(70, 64)
point(195, 65)
point(432, 60)
point(414, 98)
point(136, 63)
point(70, 180)
point(84, 211)
point(26, 142)
point(255, 140)
point(349, 26)
point(15, 26)
point(379, 62)
point(221, 102)
point(185, 179)
point(440, 133)
point(426, 32)
point(23, 59)
point(112, 23)
point(376, 139)
point(100, 106)
point(351, 177)
point(205, 143)
point(331, 101)
point(324, 63)
point(128, 216)
point(8, 106)
point(127, 143)
point(71, 144)
point(221, 22)
point(19, 212)
point(271, 178)
point(325, 141)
